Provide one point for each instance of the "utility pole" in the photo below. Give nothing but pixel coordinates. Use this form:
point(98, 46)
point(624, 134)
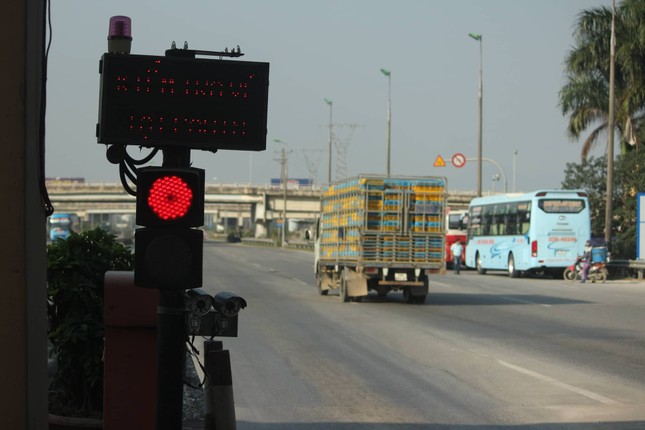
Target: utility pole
point(610, 129)
point(480, 94)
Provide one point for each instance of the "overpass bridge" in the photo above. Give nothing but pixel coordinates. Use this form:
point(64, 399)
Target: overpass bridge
point(228, 205)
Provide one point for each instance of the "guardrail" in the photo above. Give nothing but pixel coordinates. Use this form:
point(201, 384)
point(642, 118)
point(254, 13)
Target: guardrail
point(637, 265)
point(258, 242)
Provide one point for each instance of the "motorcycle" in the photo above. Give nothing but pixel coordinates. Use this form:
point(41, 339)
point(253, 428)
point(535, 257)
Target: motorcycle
point(597, 271)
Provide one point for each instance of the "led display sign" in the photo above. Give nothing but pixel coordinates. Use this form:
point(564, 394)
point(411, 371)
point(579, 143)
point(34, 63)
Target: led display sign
point(183, 102)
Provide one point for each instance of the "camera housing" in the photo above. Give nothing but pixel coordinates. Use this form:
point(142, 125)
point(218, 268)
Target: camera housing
point(198, 302)
point(228, 304)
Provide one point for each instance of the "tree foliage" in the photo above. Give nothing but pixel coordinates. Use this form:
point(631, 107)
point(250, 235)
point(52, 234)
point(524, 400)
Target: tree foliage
point(76, 267)
point(628, 182)
point(590, 175)
point(585, 95)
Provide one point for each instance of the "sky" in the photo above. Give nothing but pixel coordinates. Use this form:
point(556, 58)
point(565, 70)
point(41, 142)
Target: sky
point(335, 49)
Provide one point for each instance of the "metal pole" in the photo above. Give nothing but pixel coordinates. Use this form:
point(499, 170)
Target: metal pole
point(171, 359)
point(283, 161)
point(610, 129)
point(514, 161)
point(496, 164)
point(389, 117)
point(330, 103)
point(480, 119)
point(171, 337)
point(389, 120)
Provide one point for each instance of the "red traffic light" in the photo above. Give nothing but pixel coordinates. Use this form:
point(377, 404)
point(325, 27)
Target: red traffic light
point(170, 197)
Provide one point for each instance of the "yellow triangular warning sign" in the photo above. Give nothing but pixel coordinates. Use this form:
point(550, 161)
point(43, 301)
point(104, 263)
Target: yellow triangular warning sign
point(438, 162)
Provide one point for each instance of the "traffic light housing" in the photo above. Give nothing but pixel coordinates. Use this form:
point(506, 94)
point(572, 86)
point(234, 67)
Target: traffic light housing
point(168, 251)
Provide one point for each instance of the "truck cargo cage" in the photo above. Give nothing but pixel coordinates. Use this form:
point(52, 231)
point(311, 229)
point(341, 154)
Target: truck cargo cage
point(383, 220)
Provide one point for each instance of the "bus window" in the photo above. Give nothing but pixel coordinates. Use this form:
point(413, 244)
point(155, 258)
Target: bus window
point(511, 219)
point(474, 221)
point(524, 217)
point(500, 218)
point(487, 220)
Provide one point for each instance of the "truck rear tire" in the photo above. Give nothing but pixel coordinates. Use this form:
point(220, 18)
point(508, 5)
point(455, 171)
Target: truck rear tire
point(408, 297)
point(343, 293)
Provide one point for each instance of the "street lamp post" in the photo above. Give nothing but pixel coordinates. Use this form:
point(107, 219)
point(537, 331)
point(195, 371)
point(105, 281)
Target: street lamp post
point(330, 103)
point(389, 116)
point(478, 37)
point(494, 179)
point(496, 164)
point(514, 162)
point(284, 175)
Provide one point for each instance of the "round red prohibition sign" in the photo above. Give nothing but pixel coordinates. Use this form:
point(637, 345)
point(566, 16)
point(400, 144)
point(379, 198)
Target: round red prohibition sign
point(458, 160)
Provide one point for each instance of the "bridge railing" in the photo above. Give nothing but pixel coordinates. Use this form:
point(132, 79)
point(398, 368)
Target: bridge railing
point(295, 244)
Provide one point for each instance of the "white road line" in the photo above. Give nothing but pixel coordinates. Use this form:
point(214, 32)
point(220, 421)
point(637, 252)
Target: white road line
point(581, 391)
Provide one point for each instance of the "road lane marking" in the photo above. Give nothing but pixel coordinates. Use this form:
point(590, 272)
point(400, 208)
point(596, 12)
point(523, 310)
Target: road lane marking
point(581, 391)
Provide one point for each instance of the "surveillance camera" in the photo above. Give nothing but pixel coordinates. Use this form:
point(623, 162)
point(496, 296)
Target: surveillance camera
point(228, 304)
point(198, 302)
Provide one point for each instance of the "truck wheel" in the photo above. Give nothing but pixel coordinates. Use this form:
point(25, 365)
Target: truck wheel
point(408, 297)
point(419, 300)
point(344, 297)
point(478, 263)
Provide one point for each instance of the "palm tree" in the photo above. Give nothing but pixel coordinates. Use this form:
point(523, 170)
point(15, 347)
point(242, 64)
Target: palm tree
point(585, 95)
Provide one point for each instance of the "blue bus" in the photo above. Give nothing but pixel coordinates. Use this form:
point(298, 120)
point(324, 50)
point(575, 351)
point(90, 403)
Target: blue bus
point(541, 231)
point(60, 226)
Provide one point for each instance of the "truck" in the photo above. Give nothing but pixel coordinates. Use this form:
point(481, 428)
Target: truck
point(380, 233)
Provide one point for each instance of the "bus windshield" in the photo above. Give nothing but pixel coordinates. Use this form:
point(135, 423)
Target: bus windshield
point(561, 206)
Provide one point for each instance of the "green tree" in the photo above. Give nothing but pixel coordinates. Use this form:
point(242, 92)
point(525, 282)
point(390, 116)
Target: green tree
point(629, 182)
point(585, 95)
point(590, 175)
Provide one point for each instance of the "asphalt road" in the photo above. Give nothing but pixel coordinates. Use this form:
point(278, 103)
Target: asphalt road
point(483, 352)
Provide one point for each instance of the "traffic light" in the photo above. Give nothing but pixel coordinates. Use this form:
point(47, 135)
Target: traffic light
point(168, 252)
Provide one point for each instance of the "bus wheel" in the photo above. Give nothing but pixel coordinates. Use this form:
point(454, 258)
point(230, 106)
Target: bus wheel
point(512, 272)
point(478, 263)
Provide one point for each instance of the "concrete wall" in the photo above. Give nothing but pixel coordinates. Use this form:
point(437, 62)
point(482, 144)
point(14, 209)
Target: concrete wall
point(23, 347)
